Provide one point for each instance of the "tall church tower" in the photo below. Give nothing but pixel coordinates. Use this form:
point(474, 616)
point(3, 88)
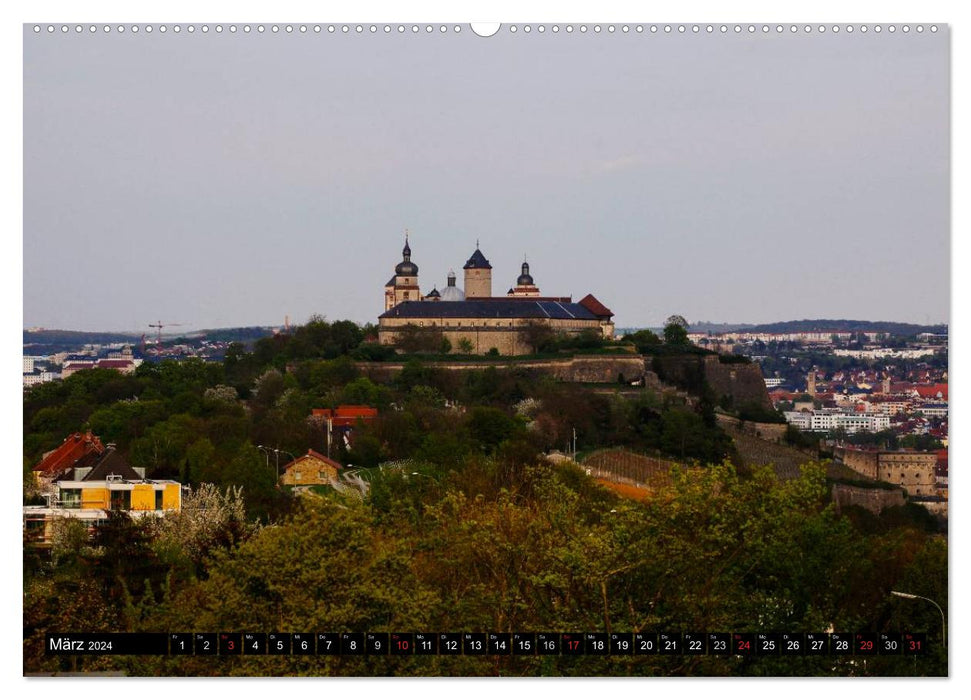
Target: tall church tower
point(404, 285)
point(478, 275)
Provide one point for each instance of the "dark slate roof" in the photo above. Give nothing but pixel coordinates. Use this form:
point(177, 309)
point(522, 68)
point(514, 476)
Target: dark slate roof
point(493, 308)
point(478, 260)
point(112, 463)
point(406, 268)
point(391, 282)
point(525, 278)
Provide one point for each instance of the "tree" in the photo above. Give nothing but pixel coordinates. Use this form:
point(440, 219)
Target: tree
point(491, 426)
point(249, 470)
point(411, 338)
point(199, 462)
point(465, 346)
point(675, 334)
point(643, 340)
point(210, 518)
point(537, 336)
point(365, 451)
point(268, 389)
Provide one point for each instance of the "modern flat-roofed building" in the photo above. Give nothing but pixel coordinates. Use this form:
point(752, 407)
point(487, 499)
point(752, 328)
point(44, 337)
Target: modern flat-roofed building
point(89, 493)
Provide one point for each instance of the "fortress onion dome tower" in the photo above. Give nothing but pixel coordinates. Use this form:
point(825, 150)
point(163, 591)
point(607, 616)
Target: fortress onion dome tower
point(404, 285)
point(433, 295)
point(451, 292)
point(478, 276)
point(525, 287)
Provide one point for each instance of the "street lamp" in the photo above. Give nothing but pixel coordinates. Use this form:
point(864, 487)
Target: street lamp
point(278, 451)
point(912, 596)
point(265, 451)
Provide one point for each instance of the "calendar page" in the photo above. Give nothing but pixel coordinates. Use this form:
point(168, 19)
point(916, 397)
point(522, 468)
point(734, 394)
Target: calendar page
point(436, 349)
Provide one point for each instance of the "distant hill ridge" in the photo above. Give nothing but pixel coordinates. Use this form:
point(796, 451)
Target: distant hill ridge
point(74, 338)
point(817, 325)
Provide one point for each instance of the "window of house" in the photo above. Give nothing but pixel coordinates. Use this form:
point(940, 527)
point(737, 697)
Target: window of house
point(120, 499)
point(158, 499)
point(35, 528)
point(296, 476)
point(71, 498)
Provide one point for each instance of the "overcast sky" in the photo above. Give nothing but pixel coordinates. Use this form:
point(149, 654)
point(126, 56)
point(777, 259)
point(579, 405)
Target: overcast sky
point(221, 180)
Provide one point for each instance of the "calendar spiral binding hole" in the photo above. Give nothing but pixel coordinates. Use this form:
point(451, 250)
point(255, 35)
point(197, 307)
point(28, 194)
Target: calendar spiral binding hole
point(518, 29)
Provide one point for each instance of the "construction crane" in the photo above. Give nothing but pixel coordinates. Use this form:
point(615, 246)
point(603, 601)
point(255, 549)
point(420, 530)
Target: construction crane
point(158, 337)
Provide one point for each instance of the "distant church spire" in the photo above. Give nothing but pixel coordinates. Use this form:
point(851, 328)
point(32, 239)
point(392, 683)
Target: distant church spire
point(406, 251)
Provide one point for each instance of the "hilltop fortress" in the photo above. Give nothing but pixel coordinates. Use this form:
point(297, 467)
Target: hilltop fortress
point(477, 319)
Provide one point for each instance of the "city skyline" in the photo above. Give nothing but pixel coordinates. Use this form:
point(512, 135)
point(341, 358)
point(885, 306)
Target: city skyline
point(234, 180)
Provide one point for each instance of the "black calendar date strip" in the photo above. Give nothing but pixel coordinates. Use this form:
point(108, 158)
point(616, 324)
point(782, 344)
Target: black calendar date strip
point(106, 644)
point(760, 644)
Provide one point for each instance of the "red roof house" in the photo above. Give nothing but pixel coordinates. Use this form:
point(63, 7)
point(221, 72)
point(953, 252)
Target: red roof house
point(345, 416)
point(76, 450)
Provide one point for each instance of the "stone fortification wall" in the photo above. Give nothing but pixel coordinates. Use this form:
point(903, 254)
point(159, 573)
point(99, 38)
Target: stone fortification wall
point(861, 461)
point(874, 500)
point(742, 382)
point(592, 369)
point(773, 432)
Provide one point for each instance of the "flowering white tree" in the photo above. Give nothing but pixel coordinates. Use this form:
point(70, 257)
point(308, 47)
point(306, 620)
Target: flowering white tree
point(221, 392)
point(207, 518)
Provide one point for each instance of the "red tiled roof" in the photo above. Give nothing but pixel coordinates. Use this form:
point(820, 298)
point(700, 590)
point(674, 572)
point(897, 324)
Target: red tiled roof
point(346, 412)
point(593, 305)
point(111, 364)
point(313, 454)
point(74, 448)
point(931, 390)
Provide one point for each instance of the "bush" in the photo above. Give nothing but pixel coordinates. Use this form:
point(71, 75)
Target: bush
point(757, 413)
point(734, 360)
point(373, 352)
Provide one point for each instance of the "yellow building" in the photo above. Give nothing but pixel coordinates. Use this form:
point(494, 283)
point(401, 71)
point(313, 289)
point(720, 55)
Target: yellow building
point(312, 469)
point(90, 493)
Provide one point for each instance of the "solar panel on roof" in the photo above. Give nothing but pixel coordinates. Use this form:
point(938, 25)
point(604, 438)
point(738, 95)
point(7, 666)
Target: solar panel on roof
point(489, 309)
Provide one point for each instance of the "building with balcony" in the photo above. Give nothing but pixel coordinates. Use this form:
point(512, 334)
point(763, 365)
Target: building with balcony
point(89, 493)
